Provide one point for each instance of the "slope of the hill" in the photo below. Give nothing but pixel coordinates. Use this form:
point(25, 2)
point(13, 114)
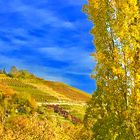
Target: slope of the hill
point(69, 99)
point(43, 90)
point(68, 91)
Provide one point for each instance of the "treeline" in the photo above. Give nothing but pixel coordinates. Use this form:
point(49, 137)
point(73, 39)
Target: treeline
point(15, 73)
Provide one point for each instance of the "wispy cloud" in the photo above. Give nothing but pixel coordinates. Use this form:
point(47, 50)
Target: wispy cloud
point(65, 53)
point(37, 17)
point(78, 59)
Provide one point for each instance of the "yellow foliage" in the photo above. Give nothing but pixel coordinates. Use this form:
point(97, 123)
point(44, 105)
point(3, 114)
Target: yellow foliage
point(5, 90)
point(115, 103)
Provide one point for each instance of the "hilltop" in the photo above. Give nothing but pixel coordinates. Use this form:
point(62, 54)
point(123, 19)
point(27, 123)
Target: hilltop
point(42, 90)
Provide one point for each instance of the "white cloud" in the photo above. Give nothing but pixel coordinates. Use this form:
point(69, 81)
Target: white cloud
point(38, 17)
point(79, 60)
point(65, 53)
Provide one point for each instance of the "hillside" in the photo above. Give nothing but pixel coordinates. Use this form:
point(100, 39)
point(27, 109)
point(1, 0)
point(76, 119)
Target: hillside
point(47, 93)
point(43, 90)
point(68, 91)
point(36, 108)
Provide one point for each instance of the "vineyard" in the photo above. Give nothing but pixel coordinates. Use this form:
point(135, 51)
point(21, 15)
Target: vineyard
point(66, 101)
point(23, 88)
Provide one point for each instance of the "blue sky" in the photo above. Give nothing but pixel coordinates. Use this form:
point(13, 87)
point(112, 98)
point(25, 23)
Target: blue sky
point(50, 38)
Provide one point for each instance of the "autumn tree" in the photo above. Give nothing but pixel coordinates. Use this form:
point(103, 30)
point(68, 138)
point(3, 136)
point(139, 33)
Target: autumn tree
point(14, 72)
point(6, 95)
point(114, 111)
